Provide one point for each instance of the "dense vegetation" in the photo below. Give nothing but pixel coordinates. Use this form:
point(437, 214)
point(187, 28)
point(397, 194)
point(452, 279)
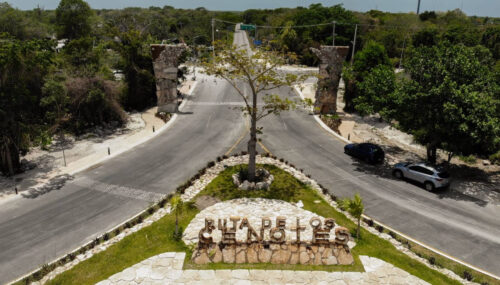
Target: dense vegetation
point(47, 90)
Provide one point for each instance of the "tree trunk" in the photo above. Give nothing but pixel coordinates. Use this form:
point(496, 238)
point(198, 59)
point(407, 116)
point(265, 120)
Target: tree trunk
point(7, 163)
point(450, 156)
point(358, 233)
point(432, 153)
point(252, 143)
point(176, 226)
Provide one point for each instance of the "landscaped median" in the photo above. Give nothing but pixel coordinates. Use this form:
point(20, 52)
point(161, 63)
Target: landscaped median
point(290, 186)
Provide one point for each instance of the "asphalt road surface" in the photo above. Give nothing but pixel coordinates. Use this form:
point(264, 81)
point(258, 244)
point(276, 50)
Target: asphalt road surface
point(35, 231)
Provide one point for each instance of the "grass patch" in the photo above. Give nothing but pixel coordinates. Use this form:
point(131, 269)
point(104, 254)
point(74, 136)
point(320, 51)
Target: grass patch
point(158, 237)
point(149, 241)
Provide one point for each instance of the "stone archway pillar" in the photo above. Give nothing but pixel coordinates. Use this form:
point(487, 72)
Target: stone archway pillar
point(165, 64)
point(330, 68)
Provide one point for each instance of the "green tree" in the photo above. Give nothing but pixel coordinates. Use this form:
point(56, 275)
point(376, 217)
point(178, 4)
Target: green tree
point(375, 91)
point(56, 101)
point(371, 56)
point(451, 100)
point(258, 72)
point(23, 66)
point(426, 37)
point(356, 208)
point(137, 66)
point(491, 40)
point(73, 19)
point(177, 206)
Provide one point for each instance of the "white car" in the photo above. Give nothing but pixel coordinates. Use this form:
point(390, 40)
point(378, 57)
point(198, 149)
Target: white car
point(431, 177)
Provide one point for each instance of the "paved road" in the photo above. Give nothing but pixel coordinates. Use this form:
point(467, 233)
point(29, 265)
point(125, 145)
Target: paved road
point(464, 227)
point(33, 232)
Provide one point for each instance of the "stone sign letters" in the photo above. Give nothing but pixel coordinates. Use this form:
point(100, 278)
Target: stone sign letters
point(323, 249)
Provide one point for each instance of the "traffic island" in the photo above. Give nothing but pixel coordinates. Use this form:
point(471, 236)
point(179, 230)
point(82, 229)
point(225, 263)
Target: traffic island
point(147, 241)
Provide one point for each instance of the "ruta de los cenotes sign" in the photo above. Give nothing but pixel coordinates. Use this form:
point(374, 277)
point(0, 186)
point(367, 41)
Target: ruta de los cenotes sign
point(269, 243)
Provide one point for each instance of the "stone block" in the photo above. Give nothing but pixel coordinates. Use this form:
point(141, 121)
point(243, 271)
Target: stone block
point(228, 254)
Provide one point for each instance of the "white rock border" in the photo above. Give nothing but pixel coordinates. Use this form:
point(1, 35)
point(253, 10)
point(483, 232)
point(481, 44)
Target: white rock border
point(199, 184)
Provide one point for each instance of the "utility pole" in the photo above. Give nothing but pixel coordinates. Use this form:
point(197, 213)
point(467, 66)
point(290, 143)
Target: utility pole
point(213, 37)
point(418, 7)
point(354, 43)
point(333, 34)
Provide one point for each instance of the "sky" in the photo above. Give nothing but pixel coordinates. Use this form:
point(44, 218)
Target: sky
point(489, 8)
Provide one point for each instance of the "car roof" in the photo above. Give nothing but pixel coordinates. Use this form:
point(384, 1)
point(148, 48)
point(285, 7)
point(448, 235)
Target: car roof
point(427, 166)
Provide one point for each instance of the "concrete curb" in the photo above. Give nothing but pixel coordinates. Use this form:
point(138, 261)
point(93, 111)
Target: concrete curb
point(145, 139)
point(324, 126)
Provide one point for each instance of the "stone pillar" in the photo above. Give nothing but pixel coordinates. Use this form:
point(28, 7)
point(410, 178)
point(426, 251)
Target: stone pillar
point(330, 68)
point(165, 63)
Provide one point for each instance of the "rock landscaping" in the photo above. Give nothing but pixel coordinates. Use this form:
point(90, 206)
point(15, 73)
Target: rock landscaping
point(263, 178)
point(166, 268)
point(382, 272)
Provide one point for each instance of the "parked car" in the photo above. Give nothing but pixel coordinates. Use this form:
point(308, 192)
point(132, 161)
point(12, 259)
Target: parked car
point(431, 177)
point(369, 152)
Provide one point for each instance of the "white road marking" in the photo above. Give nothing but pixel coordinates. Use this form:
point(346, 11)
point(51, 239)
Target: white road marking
point(118, 190)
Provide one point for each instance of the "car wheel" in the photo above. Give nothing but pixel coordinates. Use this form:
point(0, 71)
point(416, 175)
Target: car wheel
point(398, 174)
point(429, 186)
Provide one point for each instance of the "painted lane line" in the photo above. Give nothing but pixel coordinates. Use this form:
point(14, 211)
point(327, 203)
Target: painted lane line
point(119, 190)
point(145, 139)
point(331, 132)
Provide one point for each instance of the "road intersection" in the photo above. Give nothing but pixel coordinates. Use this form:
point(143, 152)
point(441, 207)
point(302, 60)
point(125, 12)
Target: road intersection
point(36, 231)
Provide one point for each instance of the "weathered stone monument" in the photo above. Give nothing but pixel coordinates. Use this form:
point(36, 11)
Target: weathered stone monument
point(323, 249)
point(330, 68)
point(165, 63)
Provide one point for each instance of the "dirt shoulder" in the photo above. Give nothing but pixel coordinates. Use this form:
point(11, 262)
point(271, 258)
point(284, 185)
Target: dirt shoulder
point(478, 182)
point(49, 169)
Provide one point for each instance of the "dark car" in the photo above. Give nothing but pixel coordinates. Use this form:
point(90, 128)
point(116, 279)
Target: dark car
point(369, 152)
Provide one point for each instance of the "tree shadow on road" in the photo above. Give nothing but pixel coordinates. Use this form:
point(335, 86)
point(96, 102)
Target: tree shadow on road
point(385, 170)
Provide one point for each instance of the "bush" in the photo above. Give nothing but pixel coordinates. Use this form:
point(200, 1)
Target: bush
point(379, 228)
point(471, 159)
point(432, 260)
point(467, 275)
point(495, 158)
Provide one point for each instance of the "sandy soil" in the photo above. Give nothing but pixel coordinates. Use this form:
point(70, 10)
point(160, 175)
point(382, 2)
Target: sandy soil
point(47, 169)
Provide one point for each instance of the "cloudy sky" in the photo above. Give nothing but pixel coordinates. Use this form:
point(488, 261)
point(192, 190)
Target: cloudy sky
point(470, 7)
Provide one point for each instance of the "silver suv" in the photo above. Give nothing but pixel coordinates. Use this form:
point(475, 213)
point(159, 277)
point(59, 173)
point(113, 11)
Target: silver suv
point(431, 177)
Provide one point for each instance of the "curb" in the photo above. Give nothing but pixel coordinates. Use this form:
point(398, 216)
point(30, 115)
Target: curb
point(330, 131)
point(160, 130)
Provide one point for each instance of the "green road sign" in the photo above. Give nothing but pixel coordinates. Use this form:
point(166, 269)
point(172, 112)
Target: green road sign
point(245, 27)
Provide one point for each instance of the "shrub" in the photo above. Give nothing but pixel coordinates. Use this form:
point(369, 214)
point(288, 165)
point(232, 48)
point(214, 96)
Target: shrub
point(393, 234)
point(471, 159)
point(379, 228)
point(467, 275)
point(369, 222)
point(211, 164)
point(224, 157)
point(495, 158)
point(105, 236)
point(432, 260)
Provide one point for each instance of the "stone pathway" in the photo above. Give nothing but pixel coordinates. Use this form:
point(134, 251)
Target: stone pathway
point(166, 268)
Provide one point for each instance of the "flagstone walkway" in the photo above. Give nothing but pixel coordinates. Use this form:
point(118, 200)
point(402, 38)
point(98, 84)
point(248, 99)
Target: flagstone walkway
point(166, 268)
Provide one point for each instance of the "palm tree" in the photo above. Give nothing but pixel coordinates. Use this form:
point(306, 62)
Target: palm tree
point(355, 208)
point(177, 205)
